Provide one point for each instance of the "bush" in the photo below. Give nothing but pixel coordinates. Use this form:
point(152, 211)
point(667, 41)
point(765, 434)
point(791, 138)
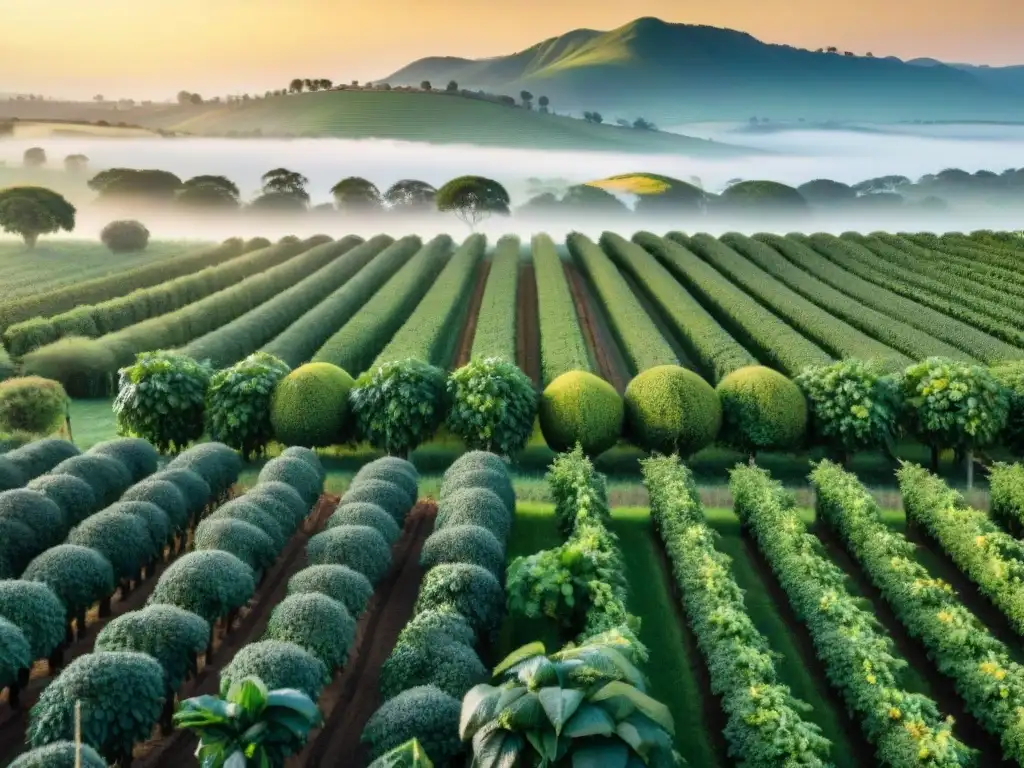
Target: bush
point(278, 664)
point(72, 494)
point(295, 473)
point(141, 458)
point(60, 754)
point(32, 404)
point(338, 582)
point(283, 494)
point(40, 456)
point(10, 476)
point(15, 654)
point(391, 469)
point(498, 482)
point(248, 512)
point(465, 544)
point(238, 403)
point(107, 477)
point(425, 713)
point(20, 545)
point(318, 623)
point(359, 547)
point(77, 575)
point(363, 513)
point(210, 584)
point(579, 407)
point(165, 495)
point(160, 398)
point(493, 405)
point(310, 406)
point(123, 539)
point(1006, 482)
point(125, 236)
point(762, 410)
point(243, 540)
point(123, 694)
point(7, 366)
point(477, 460)
point(387, 495)
point(216, 463)
point(399, 405)
point(194, 489)
point(474, 506)
point(444, 623)
point(469, 589)
point(1011, 376)
point(80, 364)
point(157, 523)
point(449, 665)
point(672, 410)
point(35, 610)
point(307, 455)
point(35, 511)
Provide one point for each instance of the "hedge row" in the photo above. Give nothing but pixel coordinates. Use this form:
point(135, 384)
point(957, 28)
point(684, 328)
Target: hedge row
point(988, 249)
point(300, 341)
point(354, 347)
point(28, 462)
point(431, 332)
point(1006, 483)
point(110, 316)
point(562, 347)
point(896, 334)
point(990, 683)
point(943, 257)
point(495, 334)
point(766, 728)
point(904, 727)
point(988, 556)
point(245, 334)
point(749, 322)
point(635, 331)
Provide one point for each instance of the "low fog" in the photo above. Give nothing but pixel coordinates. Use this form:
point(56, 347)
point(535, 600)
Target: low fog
point(796, 157)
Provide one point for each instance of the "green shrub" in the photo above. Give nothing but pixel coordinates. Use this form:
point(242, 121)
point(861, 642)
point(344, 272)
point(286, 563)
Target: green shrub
point(425, 713)
point(15, 654)
point(762, 410)
point(7, 366)
point(255, 244)
point(1006, 482)
point(672, 410)
point(171, 635)
point(10, 441)
point(474, 506)
point(107, 477)
point(307, 455)
point(123, 539)
point(241, 509)
point(34, 609)
point(40, 456)
point(238, 403)
point(73, 495)
point(451, 666)
point(391, 469)
point(339, 582)
point(141, 458)
point(363, 513)
point(471, 460)
point(10, 475)
point(387, 495)
point(160, 398)
point(157, 523)
point(359, 547)
point(243, 540)
point(32, 404)
point(122, 693)
point(165, 495)
point(36, 511)
point(210, 584)
point(310, 406)
point(283, 494)
point(60, 754)
point(493, 405)
point(216, 463)
point(125, 236)
point(1011, 376)
point(464, 544)
point(579, 407)
point(278, 664)
point(296, 473)
point(498, 482)
point(80, 364)
point(399, 405)
point(471, 590)
point(79, 576)
point(20, 545)
point(318, 623)
point(197, 492)
point(436, 624)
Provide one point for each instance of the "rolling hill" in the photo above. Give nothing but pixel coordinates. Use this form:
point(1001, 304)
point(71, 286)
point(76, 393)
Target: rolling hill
point(680, 72)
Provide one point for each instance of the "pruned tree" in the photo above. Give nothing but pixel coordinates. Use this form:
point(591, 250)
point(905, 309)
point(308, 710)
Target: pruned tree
point(34, 211)
point(543, 101)
point(473, 198)
point(135, 185)
point(76, 163)
point(426, 86)
point(527, 99)
point(34, 157)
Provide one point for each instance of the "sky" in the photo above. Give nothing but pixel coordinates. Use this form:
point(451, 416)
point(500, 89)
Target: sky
point(154, 48)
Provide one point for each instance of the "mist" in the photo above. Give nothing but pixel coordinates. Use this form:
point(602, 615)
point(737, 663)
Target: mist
point(788, 156)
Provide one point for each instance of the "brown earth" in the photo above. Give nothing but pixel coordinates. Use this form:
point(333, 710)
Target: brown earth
point(605, 351)
point(527, 324)
point(464, 348)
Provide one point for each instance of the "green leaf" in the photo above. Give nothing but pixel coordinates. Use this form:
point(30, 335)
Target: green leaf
point(478, 706)
point(559, 704)
point(654, 709)
point(589, 720)
point(604, 753)
point(520, 655)
point(500, 749)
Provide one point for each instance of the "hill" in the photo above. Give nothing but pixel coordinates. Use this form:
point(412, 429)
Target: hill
point(681, 72)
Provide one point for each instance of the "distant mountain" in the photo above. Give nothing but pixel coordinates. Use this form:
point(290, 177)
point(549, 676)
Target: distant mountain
point(674, 73)
point(1009, 79)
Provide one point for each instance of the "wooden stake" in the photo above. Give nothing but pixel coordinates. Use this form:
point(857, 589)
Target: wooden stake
point(78, 733)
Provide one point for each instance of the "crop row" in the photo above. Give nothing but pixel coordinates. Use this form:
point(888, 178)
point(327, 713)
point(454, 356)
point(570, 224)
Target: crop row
point(562, 347)
point(635, 331)
point(1006, 482)
point(765, 727)
point(245, 334)
point(912, 342)
point(989, 256)
point(354, 347)
point(821, 262)
point(432, 330)
point(495, 334)
point(958, 643)
point(905, 728)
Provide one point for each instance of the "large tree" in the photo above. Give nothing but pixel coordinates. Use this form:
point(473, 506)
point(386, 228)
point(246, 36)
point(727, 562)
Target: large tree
point(410, 195)
point(214, 192)
point(34, 211)
point(287, 182)
point(356, 195)
point(588, 199)
point(473, 198)
point(131, 184)
point(296, 85)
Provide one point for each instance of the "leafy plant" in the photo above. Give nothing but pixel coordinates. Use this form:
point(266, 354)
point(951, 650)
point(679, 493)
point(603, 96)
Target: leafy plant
point(160, 398)
point(408, 755)
point(399, 405)
point(125, 236)
point(493, 405)
point(238, 403)
point(32, 404)
point(251, 726)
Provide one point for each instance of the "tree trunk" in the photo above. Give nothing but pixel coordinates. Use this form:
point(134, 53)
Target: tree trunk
point(105, 607)
point(935, 459)
point(56, 660)
point(80, 630)
point(31, 240)
point(969, 458)
point(752, 459)
point(166, 717)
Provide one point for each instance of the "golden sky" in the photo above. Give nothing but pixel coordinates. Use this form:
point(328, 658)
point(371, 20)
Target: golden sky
point(153, 48)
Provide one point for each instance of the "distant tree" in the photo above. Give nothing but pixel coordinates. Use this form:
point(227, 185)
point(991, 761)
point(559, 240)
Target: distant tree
point(826, 192)
point(279, 202)
point(587, 199)
point(543, 101)
point(212, 192)
point(473, 198)
point(326, 84)
point(452, 86)
point(307, 83)
point(527, 99)
point(507, 101)
point(195, 98)
point(644, 125)
point(623, 123)
point(283, 181)
point(355, 83)
point(34, 211)
point(819, 50)
point(296, 85)
point(679, 199)
point(125, 236)
point(880, 184)
point(546, 203)
point(355, 194)
point(869, 55)
point(425, 86)
point(184, 97)
point(753, 121)
point(832, 49)
point(763, 196)
point(34, 157)
point(76, 163)
point(410, 195)
point(847, 53)
point(98, 98)
point(135, 185)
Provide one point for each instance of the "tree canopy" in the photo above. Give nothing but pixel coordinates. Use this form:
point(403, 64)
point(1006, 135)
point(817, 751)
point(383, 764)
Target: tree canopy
point(356, 194)
point(151, 185)
point(473, 198)
point(410, 194)
point(34, 211)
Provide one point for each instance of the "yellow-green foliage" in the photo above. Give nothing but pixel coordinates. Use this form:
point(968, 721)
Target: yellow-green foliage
point(672, 410)
point(310, 405)
point(762, 410)
point(496, 325)
point(562, 347)
point(579, 407)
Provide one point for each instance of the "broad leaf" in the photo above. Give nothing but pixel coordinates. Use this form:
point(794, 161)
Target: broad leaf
point(500, 749)
point(520, 655)
point(559, 704)
point(589, 720)
point(602, 753)
point(478, 706)
point(654, 709)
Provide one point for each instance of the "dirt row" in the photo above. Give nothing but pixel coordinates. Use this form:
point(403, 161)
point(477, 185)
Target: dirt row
point(527, 324)
point(464, 347)
point(611, 363)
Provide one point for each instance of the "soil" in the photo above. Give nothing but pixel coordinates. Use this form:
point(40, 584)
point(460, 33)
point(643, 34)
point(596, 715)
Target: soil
point(464, 348)
point(527, 324)
point(605, 351)
point(352, 698)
